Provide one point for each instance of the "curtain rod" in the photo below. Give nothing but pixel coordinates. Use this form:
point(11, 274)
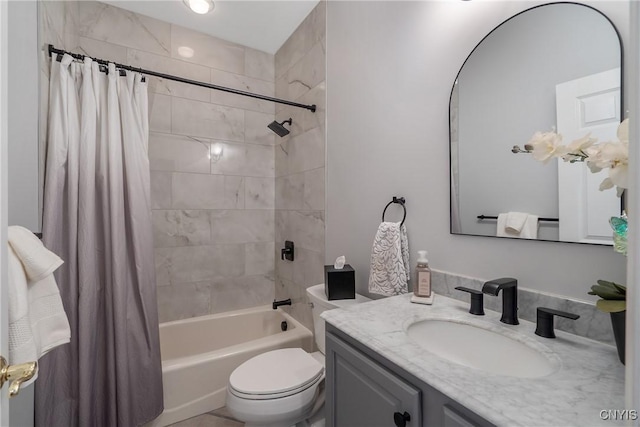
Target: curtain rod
point(311, 108)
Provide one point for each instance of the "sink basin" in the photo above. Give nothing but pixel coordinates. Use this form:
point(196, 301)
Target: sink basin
point(480, 348)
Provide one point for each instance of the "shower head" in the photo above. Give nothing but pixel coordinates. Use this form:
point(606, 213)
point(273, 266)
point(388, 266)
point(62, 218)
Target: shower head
point(279, 128)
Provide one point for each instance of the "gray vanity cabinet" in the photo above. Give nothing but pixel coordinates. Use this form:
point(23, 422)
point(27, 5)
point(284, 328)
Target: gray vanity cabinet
point(365, 390)
point(361, 393)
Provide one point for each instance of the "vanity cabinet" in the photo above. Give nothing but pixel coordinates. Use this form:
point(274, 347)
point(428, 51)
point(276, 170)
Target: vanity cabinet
point(361, 392)
point(365, 390)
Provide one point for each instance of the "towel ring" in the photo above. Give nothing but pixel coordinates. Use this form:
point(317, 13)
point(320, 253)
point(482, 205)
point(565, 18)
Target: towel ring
point(401, 202)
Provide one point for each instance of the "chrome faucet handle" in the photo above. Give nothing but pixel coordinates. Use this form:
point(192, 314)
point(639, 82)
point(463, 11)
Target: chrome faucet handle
point(544, 320)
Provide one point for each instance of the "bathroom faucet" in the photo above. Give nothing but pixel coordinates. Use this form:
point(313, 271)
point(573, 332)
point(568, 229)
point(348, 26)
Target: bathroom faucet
point(509, 287)
point(277, 304)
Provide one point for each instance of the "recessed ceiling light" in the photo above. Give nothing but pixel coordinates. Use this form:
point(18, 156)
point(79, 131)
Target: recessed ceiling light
point(185, 51)
point(200, 6)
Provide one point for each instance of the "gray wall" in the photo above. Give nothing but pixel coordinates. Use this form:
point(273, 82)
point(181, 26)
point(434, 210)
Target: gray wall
point(390, 68)
point(22, 122)
point(506, 93)
point(22, 129)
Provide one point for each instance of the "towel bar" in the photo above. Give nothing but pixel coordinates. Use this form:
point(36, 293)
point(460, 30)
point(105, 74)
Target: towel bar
point(481, 217)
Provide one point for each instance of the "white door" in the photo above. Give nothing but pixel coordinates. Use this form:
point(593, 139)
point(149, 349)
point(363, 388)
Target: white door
point(587, 105)
point(4, 313)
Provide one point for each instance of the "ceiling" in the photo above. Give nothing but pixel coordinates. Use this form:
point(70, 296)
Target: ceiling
point(260, 24)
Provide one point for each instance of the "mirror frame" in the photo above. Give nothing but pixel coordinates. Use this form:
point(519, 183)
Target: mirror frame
point(622, 98)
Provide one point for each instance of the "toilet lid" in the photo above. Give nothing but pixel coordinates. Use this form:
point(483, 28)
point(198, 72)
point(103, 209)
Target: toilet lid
point(276, 372)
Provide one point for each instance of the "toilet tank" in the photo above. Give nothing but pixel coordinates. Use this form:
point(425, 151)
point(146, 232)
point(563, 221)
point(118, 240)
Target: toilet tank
point(320, 303)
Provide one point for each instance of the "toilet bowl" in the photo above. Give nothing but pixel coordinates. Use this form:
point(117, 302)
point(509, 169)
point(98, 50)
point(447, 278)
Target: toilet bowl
point(285, 387)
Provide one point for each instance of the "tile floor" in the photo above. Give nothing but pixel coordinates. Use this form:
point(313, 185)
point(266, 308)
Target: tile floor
point(218, 418)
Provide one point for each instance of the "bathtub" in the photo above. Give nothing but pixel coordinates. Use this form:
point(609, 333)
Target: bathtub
point(199, 354)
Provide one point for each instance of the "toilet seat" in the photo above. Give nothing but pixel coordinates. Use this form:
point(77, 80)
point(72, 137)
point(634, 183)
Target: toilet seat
point(276, 374)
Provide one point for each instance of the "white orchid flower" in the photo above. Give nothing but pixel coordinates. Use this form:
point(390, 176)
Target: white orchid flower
point(623, 131)
point(546, 145)
point(577, 150)
point(595, 160)
point(612, 155)
point(615, 157)
point(605, 184)
point(619, 160)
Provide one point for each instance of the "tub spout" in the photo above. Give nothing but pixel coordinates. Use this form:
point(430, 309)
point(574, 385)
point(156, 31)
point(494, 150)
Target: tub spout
point(277, 304)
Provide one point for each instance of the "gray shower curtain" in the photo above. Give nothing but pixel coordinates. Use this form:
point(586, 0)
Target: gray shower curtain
point(97, 218)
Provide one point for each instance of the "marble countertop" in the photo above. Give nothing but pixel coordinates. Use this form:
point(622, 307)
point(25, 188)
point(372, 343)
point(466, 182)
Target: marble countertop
point(589, 377)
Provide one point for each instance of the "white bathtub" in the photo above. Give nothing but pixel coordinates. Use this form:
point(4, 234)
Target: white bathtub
point(199, 354)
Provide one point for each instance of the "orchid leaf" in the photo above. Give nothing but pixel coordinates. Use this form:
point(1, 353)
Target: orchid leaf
point(613, 286)
point(606, 292)
point(621, 288)
point(606, 283)
point(609, 306)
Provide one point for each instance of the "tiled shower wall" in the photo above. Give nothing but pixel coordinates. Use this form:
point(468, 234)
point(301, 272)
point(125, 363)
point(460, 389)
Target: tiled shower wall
point(300, 163)
point(212, 156)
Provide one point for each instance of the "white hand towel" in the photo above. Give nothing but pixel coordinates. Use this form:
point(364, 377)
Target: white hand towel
point(501, 226)
point(37, 320)
point(530, 228)
point(515, 221)
point(528, 231)
point(389, 273)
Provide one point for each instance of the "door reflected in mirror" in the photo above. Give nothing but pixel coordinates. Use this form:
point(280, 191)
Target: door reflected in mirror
point(552, 67)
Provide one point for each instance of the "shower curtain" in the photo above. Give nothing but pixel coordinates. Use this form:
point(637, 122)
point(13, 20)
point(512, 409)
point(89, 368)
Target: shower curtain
point(97, 218)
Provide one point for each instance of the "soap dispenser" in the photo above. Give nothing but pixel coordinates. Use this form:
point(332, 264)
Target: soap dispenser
point(422, 287)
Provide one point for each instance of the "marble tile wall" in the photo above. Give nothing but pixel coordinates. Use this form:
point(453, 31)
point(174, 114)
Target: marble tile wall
point(300, 163)
point(592, 323)
point(212, 157)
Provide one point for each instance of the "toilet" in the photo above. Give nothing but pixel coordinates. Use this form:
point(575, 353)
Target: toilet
point(285, 387)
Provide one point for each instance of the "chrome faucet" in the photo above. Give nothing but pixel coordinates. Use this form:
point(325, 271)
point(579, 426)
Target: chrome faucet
point(509, 287)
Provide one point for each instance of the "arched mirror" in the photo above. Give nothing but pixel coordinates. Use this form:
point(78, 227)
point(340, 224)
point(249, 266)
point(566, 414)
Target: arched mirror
point(555, 66)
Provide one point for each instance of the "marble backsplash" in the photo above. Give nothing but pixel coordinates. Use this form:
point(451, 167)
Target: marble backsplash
point(592, 323)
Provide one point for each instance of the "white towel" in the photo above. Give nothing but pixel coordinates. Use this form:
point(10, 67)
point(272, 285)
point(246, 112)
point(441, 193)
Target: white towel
point(389, 273)
point(37, 320)
point(529, 229)
point(515, 221)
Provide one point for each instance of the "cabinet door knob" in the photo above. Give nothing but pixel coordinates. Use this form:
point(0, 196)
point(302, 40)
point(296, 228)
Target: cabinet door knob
point(401, 419)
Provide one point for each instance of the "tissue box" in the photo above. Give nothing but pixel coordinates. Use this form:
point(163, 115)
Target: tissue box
point(339, 284)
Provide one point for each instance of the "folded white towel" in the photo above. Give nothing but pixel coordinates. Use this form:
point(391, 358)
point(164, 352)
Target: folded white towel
point(37, 320)
point(389, 273)
point(529, 229)
point(515, 221)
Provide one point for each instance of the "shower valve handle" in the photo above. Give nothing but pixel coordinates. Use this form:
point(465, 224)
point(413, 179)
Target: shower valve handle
point(288, 251)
